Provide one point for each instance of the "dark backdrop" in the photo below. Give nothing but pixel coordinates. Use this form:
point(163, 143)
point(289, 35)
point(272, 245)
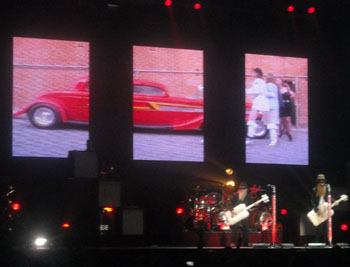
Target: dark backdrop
point(225, 32)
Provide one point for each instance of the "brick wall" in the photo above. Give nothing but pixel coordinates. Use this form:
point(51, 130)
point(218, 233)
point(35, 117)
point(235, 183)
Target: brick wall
point(41, 65)
point(181, 71)
point(289, 69)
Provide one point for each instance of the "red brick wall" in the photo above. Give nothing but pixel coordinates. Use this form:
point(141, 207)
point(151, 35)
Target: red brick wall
point(41, 65)
point(289, 69)
point(183, 83)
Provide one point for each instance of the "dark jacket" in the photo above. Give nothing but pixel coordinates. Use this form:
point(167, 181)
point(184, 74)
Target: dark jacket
point(235, 201)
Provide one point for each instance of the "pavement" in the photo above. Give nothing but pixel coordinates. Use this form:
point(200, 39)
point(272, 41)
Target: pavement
point(295, 152)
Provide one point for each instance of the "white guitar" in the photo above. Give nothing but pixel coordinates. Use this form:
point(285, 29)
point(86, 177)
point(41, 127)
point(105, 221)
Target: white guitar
point(241, 211)
point(318, 219)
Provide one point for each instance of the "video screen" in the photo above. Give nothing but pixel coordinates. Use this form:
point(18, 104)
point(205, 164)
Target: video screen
point(276, 109)
point(50, 108)
point(168, 104)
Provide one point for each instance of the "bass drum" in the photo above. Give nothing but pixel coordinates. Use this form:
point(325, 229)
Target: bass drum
point(260, 220)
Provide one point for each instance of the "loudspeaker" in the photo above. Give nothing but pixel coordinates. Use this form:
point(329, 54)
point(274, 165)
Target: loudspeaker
point(261, 245)
point(316, 245)
point(84, 164)
point(287, 245)
point(108, 193)
point(132, 221)
point(343, 245)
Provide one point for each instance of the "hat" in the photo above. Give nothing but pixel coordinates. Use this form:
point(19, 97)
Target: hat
point(243, 185)
point(321, 178)
point(258, 71)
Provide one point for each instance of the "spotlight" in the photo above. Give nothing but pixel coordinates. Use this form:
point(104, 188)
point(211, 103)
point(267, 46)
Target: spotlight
point(229, 171)
point(284, 211)
point(168, 2)
point(231, 183)
point(65, 225)
point(40, 242)
point(16, 206)
point(344, 227)
point(290, 8)
point(311, 10)
point(108, 209)
point(179, 211)
point(197, 5)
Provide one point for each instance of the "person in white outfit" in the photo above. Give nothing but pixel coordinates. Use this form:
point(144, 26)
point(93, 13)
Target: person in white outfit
point(273, 117)
point(260, 102)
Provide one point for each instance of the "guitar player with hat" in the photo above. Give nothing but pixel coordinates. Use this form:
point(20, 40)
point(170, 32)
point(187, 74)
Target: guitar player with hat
point(241, 197)
point(319, 198)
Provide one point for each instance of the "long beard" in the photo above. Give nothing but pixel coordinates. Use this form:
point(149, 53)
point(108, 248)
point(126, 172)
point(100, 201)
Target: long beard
point(321, 190)
point(242, 195)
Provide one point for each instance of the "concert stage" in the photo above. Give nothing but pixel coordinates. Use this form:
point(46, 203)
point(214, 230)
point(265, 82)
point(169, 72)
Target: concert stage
point(178, 256)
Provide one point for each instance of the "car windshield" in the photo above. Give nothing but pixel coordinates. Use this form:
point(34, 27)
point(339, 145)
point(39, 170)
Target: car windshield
point(148, 90)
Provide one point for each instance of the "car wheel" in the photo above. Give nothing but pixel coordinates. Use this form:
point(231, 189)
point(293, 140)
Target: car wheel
point(43, 116)
point(261, 130)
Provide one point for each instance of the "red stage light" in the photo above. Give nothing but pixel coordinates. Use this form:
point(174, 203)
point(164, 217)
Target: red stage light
point(197, 6)
point(344, 227)
point(16, 206)
point(284, 211)
point(311, 10)
point(108, 209)
point(290, 8)
point(179, 211)
point(168, 2)
point(65, 225)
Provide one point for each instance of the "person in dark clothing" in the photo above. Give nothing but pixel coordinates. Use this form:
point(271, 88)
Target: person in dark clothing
point(319, 198)
point(241, 197)
point(286, 108)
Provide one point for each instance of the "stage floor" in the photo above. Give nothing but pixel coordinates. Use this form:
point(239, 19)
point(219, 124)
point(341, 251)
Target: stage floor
point(260, 255)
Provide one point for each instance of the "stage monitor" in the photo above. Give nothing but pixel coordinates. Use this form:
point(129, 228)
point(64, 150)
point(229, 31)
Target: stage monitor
point(276, 109)
point(168, 108)
point(50, 107)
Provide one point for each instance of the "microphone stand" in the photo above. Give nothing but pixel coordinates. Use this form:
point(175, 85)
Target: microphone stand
point(273, 232)
point(330, 231)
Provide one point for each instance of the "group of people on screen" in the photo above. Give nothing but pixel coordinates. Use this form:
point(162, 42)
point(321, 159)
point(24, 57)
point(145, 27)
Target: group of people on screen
point(273, 100)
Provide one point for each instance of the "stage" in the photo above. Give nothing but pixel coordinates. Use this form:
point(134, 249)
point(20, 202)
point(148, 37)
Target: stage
point(260, 255)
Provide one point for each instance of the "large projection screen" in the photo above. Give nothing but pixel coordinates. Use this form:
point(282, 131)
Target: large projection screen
point(168, 104)
point(276, 105)
point(50, 97)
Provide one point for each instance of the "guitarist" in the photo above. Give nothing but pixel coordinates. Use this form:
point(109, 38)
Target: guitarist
point(318, 198)
point(240, 197)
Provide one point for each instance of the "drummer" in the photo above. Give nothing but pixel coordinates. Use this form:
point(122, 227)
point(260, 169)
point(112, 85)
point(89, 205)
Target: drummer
point(242, 197)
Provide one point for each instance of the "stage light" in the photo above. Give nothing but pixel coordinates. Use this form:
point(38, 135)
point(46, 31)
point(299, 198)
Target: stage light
point(197, 5)
point(179, 211)
point(65, 225)
point(229, 171)
point(16, 206)
point(284, 211)
point(290, 8)
point(344, 227)
point(108, 209)
point(40, 241)
point(231, 183)
point(264, 227)
point(168, 2)
point(311, 10)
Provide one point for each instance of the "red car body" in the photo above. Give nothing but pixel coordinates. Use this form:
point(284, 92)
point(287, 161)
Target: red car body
point(156, 109)
point(152, 105)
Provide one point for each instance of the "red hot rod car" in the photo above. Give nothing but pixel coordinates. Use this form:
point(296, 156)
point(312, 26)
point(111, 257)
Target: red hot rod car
point(153, 107)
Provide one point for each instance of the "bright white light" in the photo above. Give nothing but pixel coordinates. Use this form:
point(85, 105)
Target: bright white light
point(40, 241)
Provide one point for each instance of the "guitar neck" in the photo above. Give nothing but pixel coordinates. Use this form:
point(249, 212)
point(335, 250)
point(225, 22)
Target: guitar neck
point(336, 202)
point(251, 205)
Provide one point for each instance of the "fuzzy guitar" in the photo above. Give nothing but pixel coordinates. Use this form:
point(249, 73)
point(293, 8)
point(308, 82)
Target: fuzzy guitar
point(241, 211)
point(318, 219)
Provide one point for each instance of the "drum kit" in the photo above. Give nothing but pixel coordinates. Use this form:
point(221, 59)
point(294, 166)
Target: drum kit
point(206, 211)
